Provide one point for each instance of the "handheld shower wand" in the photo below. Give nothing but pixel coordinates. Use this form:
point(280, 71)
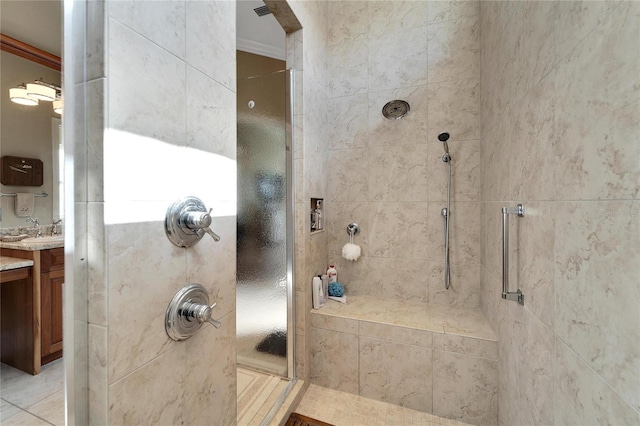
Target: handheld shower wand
point(444, 137)
point(446, 212)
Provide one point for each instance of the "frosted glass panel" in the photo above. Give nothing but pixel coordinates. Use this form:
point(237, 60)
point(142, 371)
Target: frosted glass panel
point(262, 256)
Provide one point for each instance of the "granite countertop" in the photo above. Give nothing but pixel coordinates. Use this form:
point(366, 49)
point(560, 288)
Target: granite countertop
point(7, 263)
point(32, 246)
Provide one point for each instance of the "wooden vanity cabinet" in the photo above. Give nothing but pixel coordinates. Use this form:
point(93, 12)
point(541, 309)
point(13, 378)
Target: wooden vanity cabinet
point(51, 281)
point(19, 323)
point(48, 277)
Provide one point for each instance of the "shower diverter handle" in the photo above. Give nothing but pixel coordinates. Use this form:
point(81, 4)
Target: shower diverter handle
point(199, 220)
point(200, 313)
point(187, 221)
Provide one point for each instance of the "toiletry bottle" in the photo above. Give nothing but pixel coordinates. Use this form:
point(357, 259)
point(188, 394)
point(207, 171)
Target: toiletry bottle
point(319, 218)
point(324, 293)
point(333, 274)
point(316, 292)
point(313, 220)
point(325, 286)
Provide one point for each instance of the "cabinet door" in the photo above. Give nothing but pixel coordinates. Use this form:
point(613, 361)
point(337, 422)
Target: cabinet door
point(51, 306)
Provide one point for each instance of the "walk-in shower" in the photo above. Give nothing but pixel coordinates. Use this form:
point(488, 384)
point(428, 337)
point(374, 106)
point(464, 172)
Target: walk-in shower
point(446, 211)
point(264, 297)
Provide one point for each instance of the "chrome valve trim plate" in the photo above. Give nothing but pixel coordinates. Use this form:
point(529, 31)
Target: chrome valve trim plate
point(188, 310)
point(187, 221)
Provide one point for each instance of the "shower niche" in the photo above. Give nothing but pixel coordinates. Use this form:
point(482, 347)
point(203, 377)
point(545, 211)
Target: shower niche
point(317, 214)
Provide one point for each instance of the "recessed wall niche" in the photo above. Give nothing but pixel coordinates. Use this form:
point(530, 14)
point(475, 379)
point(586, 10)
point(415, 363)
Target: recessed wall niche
point(317, 214)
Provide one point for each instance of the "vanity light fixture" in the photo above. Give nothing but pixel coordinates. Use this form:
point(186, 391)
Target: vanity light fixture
point(42, 91)
point(57, 105)
point(19, 95)
point(37, 91)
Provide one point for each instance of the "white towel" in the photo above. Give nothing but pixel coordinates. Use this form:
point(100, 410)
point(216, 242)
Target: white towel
point(24, 204)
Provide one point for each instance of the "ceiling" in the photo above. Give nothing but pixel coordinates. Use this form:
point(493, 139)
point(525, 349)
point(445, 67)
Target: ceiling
point(39, 23)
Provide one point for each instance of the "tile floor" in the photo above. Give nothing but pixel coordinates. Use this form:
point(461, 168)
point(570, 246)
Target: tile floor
point(32, 400)
point(257, 393)
point(39, 400)
point(345, 409)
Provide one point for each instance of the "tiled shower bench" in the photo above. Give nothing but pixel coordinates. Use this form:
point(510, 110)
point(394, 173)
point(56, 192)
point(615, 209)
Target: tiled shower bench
point(433, 358)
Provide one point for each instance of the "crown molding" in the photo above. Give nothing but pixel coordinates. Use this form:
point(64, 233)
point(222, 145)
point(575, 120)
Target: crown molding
point(258, 48)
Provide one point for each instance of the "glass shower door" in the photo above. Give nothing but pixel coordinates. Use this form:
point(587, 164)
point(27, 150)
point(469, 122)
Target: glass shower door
point(263, 259)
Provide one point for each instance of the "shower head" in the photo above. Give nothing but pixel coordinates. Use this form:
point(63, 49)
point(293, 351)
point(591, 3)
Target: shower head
point(444, 137)
point(395, 110)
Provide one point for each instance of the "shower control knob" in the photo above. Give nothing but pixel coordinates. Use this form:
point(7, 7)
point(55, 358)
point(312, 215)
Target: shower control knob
point(200, 313)
point(196, 220)
point(187, 311)
point(187, 221)
point(199, 220)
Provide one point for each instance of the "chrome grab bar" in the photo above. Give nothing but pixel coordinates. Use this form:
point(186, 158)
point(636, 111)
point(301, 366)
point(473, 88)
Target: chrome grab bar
point(516, 296)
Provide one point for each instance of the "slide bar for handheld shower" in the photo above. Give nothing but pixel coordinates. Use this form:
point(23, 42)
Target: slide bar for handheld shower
point(516, 296)
point(446, 212)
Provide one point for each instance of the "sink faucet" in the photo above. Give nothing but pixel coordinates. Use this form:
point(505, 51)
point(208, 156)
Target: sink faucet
point(36, 223)
point(54, 226)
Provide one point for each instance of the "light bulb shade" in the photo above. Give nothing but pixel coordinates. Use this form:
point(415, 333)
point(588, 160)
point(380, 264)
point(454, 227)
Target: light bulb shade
point(19, 95)
point(57, 106)
point(41, 92)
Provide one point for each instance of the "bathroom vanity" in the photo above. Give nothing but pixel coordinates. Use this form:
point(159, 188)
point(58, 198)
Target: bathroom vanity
point(32, 280)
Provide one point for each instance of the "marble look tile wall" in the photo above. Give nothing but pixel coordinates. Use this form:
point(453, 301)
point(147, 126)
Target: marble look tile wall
point(83, 121)
point(448, 375)
point(158, 102)
point(560, 133)
point(306, 54)
point(464, 387)
point(387, 175)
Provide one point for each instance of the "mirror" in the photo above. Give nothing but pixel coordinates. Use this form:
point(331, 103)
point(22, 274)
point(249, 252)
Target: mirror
point(31, 43)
